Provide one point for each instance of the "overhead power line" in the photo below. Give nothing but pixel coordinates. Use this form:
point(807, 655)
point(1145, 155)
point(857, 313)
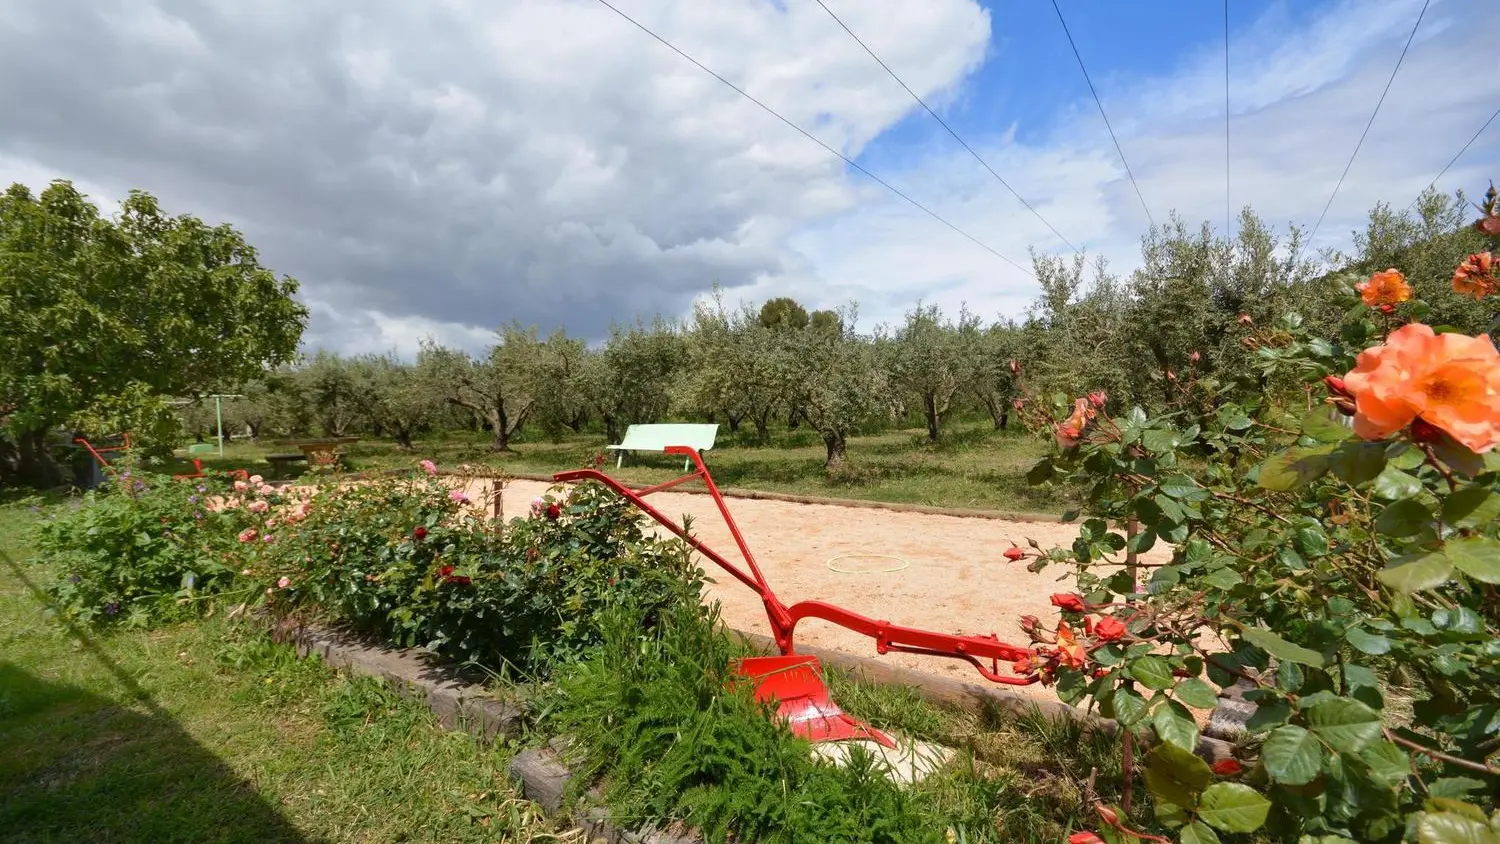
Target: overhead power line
point(1362, 135)
point(1457, 156)
point(1228, 203)
point(944, 124)
point(806, 134)
point(1111, 129)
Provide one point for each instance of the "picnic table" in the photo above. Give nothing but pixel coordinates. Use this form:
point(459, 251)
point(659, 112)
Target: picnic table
point(317, 452)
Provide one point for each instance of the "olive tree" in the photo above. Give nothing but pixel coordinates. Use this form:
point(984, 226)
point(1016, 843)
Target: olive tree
point(932, 358)
point(500, 387)
point(836, 380)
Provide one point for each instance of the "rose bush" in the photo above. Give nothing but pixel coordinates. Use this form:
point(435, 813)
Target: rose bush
point(1334, 549)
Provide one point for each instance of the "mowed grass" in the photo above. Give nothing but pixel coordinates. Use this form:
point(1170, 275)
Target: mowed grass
point(210, 733)
point(973, 467)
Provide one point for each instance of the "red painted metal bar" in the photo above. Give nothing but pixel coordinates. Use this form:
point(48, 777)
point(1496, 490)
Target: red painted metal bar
point(888, 637)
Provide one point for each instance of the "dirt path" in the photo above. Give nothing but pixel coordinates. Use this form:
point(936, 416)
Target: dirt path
point(956, 579)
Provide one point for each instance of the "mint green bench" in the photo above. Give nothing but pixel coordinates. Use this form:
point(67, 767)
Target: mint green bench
point(658, 437)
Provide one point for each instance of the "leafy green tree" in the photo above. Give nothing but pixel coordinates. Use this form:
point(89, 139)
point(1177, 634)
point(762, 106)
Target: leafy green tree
point(562, 402)
point(783, 314)
point(735, 365)
point(642, 366)
point(932, 357)
point(397, 400)
point(141, 305)
point(837, 381)
point(994, 383)
point(501, 388)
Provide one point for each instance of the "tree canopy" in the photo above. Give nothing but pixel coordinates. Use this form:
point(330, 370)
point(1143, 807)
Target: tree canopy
point(106, 316)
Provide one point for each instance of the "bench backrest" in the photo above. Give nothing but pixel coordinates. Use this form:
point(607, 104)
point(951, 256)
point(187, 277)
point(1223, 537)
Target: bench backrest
point(657, 437)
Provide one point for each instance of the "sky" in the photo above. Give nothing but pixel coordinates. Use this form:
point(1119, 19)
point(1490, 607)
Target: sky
point(439, 169)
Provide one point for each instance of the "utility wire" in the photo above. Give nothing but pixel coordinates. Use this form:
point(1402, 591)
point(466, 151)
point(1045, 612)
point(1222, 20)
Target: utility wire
point(945, 125)
point(1111, 129)
point(1362, 135)
point(883, 183)
point(1455, 158)
point(1228, 204)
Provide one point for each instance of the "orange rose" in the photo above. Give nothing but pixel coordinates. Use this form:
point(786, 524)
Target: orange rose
point(1475, 277)
point(1450, 381)
point(1387, 288)
point(1071, 431)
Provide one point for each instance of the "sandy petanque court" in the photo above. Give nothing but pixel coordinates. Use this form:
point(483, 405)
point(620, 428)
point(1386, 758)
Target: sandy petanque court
point(956, 580)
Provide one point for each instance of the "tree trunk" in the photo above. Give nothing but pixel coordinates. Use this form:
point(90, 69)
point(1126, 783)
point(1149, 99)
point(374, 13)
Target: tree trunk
point(734, 422)
point(837, 450)
point(929, 409)
point(577, 421)
point(403, 439)
point(999, 411)
point(36, 466)
point(762, 426)
point(794, 418)
point(254, 430)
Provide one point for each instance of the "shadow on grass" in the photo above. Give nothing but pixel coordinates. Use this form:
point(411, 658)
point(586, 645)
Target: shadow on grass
point(78, 766)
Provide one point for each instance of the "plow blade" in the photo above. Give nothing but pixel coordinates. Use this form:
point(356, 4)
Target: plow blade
point(795, 684)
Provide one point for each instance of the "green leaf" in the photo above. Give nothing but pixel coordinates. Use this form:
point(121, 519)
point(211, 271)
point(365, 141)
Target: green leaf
point(1142, 542)
point(1174, 775)
point(1320, 424)
point(1223, 578)
point(1294, 467)
point(1268, 715)
point(1182, 488)
point(1196, 693)
point(1453, 828)
point(1406, 517)
point(1197, 832)
point(1233, 807)
point(1455, 788)
point(1281, 648)
point(1415, 573)
point(1358, 463)
point(1393, 484)
point(1129, 707)
point(1346, 724)
point(1153, 672)
point(1388, 763)
point(1174, 723)
point(1476, 556)
point(1364, 641)
point(1159, 441)
point(1292, 755)
point(1473, 506)
point(1041, 472)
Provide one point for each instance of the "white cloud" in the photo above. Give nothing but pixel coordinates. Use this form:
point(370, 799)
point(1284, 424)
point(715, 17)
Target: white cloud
point(446, 167)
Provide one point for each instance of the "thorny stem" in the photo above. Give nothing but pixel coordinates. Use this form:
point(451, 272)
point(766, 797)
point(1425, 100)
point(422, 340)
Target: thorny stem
point(1438, 465)
point(1439, 755)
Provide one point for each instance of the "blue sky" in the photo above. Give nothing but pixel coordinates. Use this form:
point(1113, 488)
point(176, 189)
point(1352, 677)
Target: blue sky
point(440, 169)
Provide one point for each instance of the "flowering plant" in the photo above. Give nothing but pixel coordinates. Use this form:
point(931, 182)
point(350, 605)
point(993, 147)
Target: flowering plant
point(1333, 558)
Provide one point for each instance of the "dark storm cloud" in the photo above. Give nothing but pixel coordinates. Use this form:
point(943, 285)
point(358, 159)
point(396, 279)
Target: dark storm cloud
point(422, 160)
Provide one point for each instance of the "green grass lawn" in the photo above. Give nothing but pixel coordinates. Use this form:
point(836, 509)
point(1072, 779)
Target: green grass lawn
point(210, 733)
point(972, 468)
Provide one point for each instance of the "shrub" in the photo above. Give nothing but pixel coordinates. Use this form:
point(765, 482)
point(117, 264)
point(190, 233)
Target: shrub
point(405, 560)
point(1351, 565)
point(144, 548)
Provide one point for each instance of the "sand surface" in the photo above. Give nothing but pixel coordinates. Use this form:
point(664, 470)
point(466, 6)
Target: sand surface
point(956, 580)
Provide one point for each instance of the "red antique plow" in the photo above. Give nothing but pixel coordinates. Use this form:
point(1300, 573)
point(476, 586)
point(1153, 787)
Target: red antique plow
point(795, 681)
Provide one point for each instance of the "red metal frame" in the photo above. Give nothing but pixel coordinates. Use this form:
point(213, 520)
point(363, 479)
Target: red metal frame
point(976, 650)
point(98, 453)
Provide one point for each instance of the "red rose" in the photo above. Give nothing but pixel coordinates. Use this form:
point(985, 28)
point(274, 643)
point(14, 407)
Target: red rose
point(1068, 601)
point(1084, 837)
point(419, 534)
point(445, 572)
point(1387, 309)
point(1023, 666)
point(1227, 767)
point(1013, 553)
point(553, 511)
point(1109, 629)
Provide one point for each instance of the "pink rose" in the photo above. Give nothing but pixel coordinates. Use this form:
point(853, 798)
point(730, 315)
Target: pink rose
point(257, 480)
point(457, 496)
point(428, 466)
point(247, 535)
point(240, 486)
point(258, 507)
point(284, 583)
